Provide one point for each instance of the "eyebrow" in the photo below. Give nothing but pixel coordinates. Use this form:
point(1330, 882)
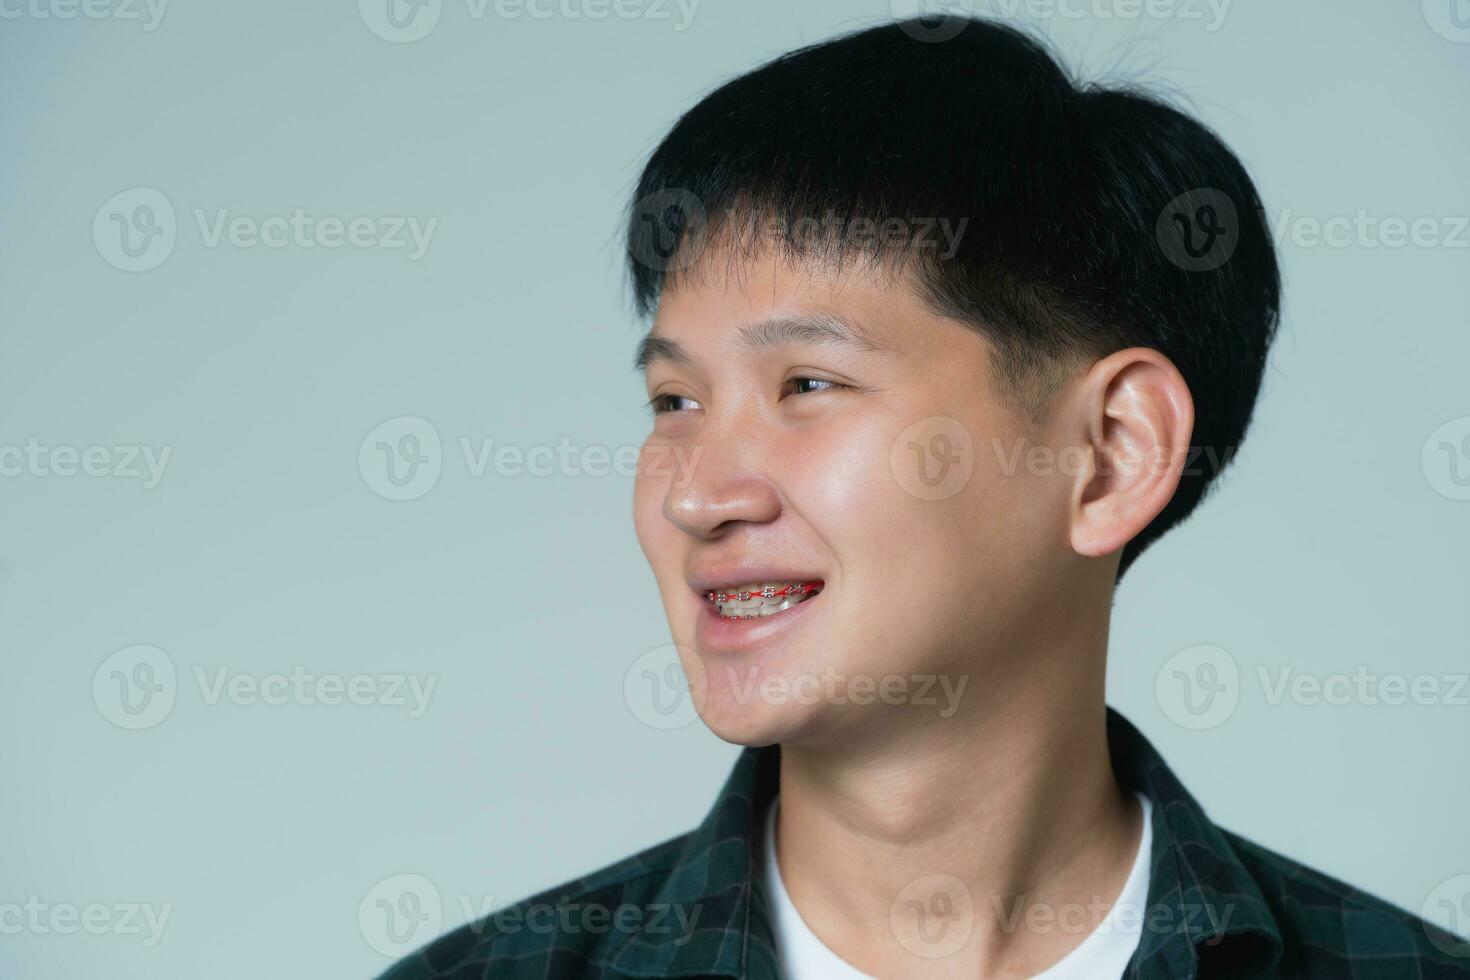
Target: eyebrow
point(816, 329)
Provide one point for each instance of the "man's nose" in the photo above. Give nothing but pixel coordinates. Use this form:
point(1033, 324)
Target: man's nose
point(727, 485)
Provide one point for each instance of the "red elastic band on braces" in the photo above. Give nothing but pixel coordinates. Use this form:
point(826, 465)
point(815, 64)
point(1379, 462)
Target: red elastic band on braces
point(769, 592)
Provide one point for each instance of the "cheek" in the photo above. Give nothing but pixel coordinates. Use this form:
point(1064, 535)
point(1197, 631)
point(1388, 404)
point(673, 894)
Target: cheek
point(655, 534)
point(662, 546)
point(942, 550)
point(836, 477)
point(645, 507)
point(877, 494)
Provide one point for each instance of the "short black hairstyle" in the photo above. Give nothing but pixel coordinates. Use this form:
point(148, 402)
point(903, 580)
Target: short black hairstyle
point(1096, 218)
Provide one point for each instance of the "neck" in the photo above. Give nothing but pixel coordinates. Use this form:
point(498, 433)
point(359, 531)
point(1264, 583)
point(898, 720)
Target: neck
point(1011, 802)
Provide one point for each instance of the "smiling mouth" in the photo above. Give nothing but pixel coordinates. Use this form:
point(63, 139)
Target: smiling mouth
point(760, 599)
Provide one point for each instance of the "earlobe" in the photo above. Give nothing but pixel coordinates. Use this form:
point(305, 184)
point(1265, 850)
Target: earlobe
point(1138, 425)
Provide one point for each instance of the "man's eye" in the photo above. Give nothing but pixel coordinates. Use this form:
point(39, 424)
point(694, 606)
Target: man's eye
point(802, 386)
point(659, 404)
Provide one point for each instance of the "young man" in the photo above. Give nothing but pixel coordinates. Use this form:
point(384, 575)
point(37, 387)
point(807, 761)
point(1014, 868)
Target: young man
point(954, 339)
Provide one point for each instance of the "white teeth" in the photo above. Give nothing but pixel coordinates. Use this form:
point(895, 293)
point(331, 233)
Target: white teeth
point(757, 605)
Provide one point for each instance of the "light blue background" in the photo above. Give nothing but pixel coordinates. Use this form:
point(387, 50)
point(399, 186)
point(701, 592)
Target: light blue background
point(263, 547)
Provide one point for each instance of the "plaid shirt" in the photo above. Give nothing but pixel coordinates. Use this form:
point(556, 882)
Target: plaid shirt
point(694, 905)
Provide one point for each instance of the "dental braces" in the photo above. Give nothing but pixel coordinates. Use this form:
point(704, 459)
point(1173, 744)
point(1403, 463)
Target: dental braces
point(769, 592)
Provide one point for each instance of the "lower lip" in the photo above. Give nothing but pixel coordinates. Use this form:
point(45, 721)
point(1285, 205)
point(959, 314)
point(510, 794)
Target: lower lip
point(718, 634)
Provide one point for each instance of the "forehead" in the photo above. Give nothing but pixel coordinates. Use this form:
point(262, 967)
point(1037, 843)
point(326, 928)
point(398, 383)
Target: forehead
point(816, 328)
point(747, 304)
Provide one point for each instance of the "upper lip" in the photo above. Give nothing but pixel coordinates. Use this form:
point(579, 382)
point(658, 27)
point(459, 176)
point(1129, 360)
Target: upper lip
point(712, 577)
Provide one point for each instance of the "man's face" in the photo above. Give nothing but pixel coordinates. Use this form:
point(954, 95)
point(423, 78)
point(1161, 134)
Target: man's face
point(817, 428)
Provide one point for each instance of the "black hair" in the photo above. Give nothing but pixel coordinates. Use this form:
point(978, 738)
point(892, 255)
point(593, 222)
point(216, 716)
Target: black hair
point(1095, 218)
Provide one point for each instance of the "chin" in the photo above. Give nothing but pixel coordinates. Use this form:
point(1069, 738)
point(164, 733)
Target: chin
point(755, 725)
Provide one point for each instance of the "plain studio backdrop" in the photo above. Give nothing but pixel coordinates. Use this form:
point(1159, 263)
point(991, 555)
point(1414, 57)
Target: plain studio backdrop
point(245, 247)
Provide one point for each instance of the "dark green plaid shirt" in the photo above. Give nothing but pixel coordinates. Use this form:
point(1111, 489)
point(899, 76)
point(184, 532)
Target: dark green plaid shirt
point(694, 906)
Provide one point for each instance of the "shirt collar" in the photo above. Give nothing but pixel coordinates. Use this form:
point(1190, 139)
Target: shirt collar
point(1201, 899)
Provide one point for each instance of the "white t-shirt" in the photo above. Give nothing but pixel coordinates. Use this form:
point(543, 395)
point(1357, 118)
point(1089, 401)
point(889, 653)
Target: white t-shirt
point(1104, 953)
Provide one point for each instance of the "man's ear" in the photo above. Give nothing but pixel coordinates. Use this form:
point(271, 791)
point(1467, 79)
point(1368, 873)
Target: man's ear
point(1137, 416)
